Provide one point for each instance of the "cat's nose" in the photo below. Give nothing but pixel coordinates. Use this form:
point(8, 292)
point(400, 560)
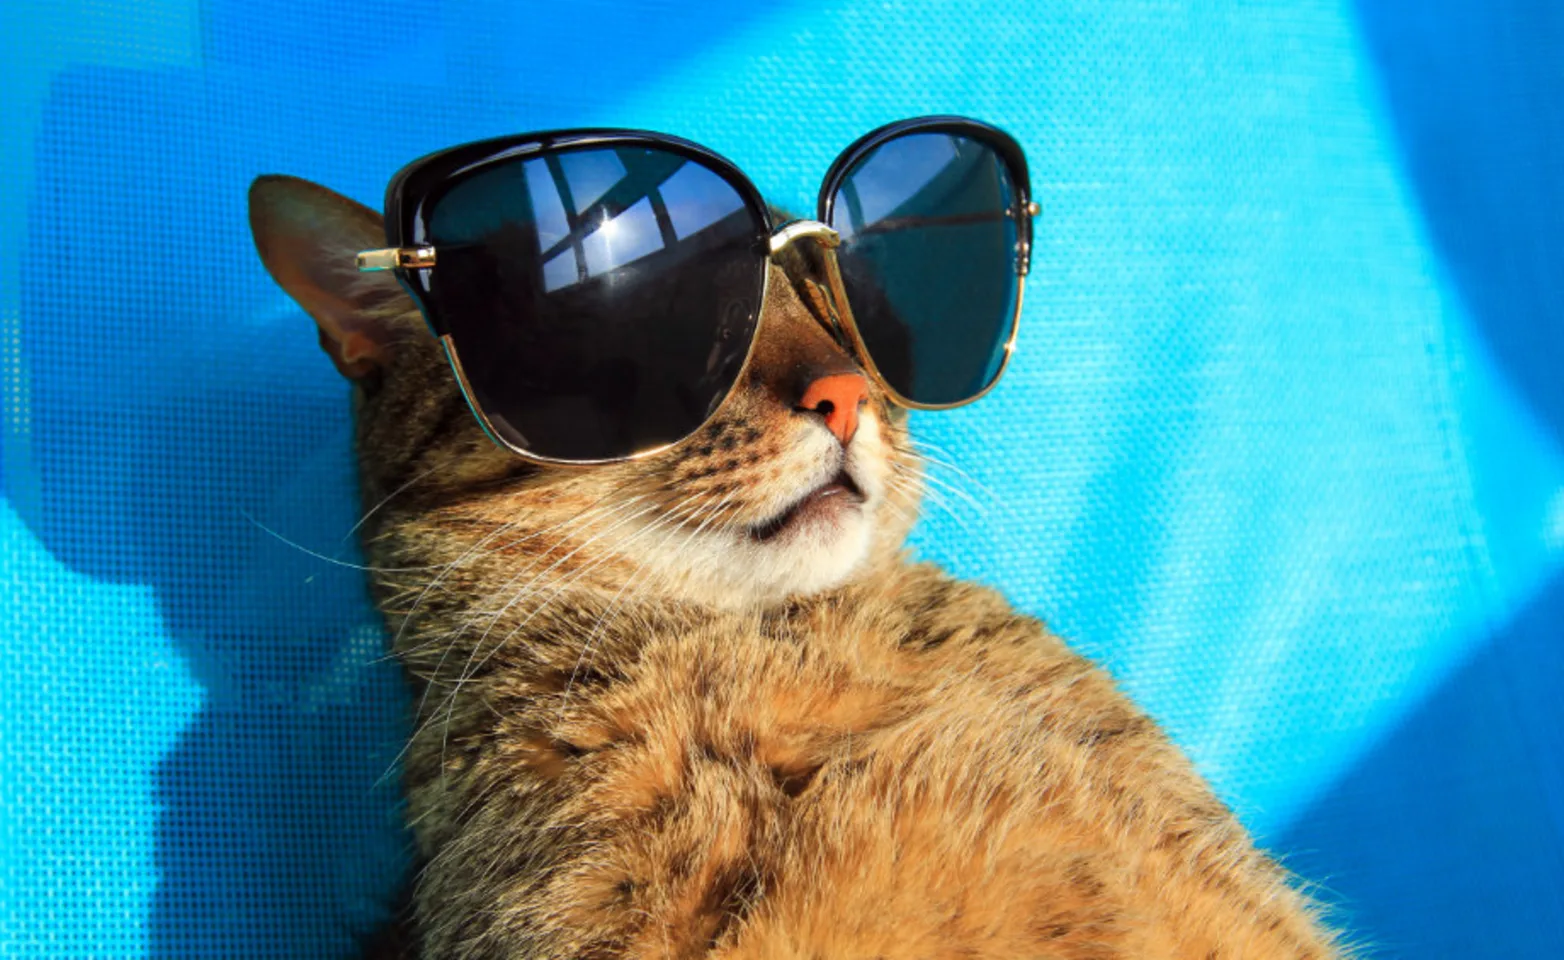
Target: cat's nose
point(837, 398)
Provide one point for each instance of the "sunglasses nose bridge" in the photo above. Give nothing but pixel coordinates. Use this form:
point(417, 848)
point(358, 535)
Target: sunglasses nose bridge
point(795, 230)
point(837, 318)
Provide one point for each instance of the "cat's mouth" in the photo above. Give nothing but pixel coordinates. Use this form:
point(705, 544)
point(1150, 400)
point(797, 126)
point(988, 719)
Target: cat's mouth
point(839, 493)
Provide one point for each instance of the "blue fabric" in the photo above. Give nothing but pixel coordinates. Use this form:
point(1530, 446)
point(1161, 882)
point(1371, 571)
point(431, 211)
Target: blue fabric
point(1283, 444)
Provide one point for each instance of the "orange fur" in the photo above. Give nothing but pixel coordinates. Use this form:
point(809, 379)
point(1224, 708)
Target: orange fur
point(643, 732)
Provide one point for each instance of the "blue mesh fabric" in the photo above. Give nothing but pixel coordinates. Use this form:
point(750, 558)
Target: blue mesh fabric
point(1283, 444)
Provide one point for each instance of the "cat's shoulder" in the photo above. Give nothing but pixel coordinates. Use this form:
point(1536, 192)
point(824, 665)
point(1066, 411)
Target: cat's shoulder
point(920, 609)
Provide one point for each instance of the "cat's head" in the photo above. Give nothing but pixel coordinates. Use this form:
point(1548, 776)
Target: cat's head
point(802, 481)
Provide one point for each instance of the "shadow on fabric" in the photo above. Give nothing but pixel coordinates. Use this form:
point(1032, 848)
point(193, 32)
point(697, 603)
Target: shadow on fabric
point(1447, 839)
point(167, 415)
point(180, 403)
point(1444, 841)
point(1476, 98)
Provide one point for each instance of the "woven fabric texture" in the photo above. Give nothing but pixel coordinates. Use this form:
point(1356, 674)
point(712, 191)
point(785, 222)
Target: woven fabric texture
point(1283, 443)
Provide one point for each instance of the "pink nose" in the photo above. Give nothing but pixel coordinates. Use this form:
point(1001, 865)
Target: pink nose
point(837, 398)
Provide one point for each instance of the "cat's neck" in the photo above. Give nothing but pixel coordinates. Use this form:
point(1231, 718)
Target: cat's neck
point(537, 600)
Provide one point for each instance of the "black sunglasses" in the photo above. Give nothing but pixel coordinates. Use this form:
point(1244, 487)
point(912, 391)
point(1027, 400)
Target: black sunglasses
point(598, 291)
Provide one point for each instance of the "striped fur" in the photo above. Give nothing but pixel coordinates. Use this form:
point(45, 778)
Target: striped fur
point(642, 733)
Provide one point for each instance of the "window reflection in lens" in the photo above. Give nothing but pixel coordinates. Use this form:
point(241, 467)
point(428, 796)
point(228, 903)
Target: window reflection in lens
point(602, 300)
point(928, 259)
point(901, 170)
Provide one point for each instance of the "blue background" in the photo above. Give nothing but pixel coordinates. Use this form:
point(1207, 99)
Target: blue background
point(1283, 444)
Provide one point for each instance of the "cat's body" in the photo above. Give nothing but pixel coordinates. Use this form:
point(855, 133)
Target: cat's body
point(664, 710)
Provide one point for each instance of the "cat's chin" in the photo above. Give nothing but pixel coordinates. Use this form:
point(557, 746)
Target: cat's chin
point(820, 511)
point(821, 548)
point(818, 545)
point(809, 530)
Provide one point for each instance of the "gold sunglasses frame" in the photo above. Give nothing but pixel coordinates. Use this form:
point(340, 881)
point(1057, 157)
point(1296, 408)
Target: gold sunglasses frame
point(844, 329)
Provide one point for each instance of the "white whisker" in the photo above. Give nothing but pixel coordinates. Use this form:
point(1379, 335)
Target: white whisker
point(613, 604)
point(327, 559)
point(474, 664)
point(385, 500)
point(433, 677)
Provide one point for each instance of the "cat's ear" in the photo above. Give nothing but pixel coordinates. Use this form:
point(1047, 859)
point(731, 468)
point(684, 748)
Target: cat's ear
point(308, 238)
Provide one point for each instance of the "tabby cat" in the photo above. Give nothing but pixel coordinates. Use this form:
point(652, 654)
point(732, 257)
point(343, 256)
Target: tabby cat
point(657, 719)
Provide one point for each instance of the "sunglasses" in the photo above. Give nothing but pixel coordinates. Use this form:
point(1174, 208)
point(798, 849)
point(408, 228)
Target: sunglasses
point(598, 292)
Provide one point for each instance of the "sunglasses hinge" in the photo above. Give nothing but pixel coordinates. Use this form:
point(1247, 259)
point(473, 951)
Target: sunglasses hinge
point(1023, 258)
point(388, 258)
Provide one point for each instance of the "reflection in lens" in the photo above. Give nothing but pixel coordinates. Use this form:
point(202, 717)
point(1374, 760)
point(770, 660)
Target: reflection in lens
point(928, 259)
point(602, 300)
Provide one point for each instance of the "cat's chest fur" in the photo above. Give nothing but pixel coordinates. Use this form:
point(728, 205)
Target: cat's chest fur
point(903, 768)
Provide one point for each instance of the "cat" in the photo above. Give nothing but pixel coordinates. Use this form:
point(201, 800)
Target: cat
point(660, 715)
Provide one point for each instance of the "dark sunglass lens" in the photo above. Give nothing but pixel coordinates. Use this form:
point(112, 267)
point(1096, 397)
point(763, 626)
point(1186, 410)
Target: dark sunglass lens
point(928, 258)
point(601, 300)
